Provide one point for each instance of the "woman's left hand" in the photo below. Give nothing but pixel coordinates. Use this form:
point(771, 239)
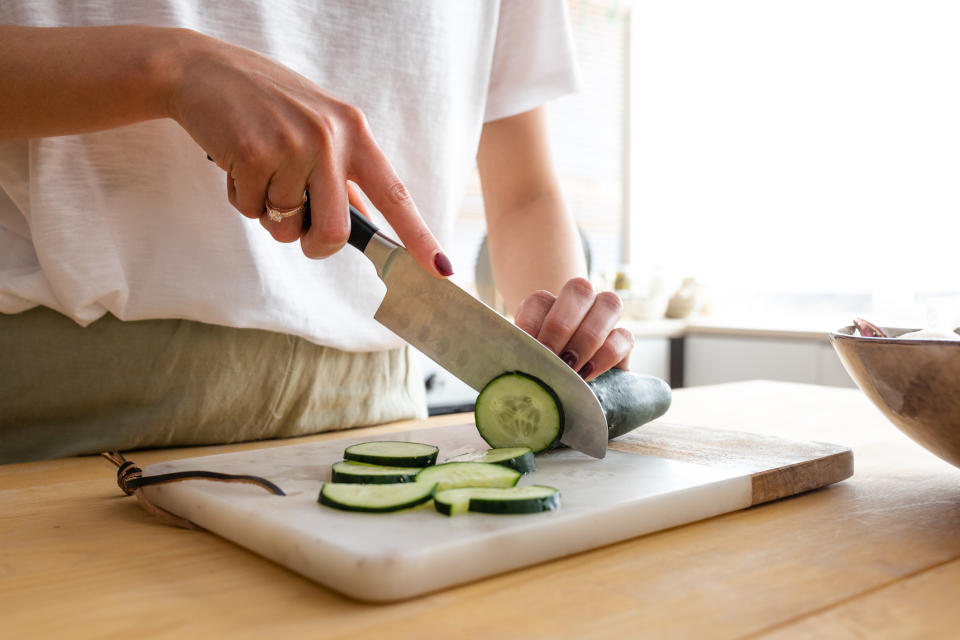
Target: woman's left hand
point(579, 325)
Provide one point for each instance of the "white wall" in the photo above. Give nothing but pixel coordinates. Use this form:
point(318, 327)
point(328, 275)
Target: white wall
point(717, 359)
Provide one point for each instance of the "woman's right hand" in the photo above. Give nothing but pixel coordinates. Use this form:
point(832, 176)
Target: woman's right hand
point(276, 134)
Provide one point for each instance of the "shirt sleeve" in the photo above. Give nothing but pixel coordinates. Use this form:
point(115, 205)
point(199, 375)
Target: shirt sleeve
point(533, 59)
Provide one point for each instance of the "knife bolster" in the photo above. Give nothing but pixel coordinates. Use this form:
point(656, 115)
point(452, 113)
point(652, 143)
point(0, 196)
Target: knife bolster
point(380, 250)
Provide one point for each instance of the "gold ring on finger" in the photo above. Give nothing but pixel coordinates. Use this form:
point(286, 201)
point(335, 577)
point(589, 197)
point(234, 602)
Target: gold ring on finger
point(277, 214)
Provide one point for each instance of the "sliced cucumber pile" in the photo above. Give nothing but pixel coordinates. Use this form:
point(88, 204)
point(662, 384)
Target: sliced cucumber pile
point(519, 458)
point(375, 498)
point(518, 410)
point(482, 481)
point(396, 454)
point(455, 475)
point(529, 499)
point(364, 473)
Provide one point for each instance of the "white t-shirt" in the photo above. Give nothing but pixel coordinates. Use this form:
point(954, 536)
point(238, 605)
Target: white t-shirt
point(134, 221)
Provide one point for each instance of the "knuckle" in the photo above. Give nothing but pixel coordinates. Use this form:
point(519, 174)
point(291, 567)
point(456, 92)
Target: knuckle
point(398, 194)
point(556, 327)
point(250, 152)
point(322, 247)
point(339, 236)
point(250, 210)
point(625, 336)
point(609, 301)
point(579, 287)
point(314, 252)
point(535, 307)
point(542, 298)
point(526, 323)
point(329, 234)
point(284, 234)
point(589, 337)
point(355, 119)
point(605, 354)
point(287, 142)
point(323, 127)
point(249, 206)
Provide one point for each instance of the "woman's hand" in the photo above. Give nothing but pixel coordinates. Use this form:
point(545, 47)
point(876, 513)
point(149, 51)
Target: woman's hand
point(276, 134)
point(273, 131)
point(579, 325)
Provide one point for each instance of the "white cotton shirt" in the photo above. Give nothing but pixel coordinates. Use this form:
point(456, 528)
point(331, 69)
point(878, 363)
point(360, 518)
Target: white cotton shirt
point(135, 222)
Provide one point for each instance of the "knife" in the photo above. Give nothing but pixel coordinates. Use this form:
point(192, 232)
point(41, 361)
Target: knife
point(468, 338)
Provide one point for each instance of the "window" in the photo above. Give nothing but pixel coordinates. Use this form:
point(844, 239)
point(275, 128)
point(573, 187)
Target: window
point(799, 155)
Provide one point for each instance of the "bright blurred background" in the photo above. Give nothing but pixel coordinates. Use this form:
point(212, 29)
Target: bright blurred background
point(793, 157)
point(799, 160)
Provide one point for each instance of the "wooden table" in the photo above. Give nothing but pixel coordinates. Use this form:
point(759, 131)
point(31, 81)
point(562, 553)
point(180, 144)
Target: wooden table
point(875, 556)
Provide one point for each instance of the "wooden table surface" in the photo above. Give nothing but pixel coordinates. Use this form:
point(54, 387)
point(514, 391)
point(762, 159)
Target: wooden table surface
point(875, 556)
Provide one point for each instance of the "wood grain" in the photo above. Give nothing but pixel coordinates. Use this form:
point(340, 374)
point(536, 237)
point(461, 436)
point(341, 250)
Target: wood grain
point(779, 467)
point(880, 614)
point(875, 555)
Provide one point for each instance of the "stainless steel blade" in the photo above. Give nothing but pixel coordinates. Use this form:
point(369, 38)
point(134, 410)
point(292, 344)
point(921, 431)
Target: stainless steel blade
point(476, 344)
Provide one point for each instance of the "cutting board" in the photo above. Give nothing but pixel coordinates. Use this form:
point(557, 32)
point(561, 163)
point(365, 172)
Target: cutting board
point(659, 477)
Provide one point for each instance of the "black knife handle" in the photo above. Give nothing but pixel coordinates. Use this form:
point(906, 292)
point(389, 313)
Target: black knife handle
point(361, 229)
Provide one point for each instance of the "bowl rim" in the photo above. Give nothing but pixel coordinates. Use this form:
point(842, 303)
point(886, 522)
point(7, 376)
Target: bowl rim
point(840, 335)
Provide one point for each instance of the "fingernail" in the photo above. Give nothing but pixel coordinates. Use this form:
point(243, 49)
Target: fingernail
point(569, 357)
point(442, 263)
point(586, 370)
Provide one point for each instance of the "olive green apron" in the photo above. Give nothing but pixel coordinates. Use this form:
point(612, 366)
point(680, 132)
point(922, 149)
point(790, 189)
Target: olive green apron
point(67, 390)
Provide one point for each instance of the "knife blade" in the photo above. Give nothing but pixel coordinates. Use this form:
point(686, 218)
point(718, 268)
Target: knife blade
point(469, 339)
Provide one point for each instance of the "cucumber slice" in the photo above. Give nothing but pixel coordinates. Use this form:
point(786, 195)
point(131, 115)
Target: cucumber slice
point(363, 473)
point(375, 498)
point(396, 454)
point(519, 458)
point(518, 410)
point(528, 499)
point(453, 475)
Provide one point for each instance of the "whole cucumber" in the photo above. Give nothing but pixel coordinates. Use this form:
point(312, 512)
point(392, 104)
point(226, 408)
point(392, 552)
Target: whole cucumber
point(630, 399)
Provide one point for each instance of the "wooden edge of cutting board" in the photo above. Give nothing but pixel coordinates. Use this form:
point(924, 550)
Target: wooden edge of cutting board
point(778, 467)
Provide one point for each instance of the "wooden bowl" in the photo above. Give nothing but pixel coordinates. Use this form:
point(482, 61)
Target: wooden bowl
point(915, 383)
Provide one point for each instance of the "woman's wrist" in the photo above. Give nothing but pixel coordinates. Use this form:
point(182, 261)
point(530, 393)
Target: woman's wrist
point(168, 56)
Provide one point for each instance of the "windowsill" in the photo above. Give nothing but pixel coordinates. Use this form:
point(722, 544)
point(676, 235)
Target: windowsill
point(792, 329)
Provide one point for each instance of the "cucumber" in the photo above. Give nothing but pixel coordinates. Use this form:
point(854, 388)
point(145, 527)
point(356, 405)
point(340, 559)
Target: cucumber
point(519, 458)
point(375, 498)
point(396, 454)
point(363, 473)
point(517, 410)
point(455, 475)
point(528, 499)
point(629, 399)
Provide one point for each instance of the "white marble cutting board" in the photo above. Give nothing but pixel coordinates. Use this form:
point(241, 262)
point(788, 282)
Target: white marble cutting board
point(383, 557)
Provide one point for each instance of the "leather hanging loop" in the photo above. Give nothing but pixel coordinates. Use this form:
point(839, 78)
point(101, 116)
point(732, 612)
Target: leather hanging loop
point(131, 481)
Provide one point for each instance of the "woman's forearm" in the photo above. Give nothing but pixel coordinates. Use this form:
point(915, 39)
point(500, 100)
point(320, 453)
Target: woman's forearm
point(60, 81)
point(532, 238)
point(539, 248)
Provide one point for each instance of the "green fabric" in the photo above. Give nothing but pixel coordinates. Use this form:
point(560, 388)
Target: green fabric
point(67, 390)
